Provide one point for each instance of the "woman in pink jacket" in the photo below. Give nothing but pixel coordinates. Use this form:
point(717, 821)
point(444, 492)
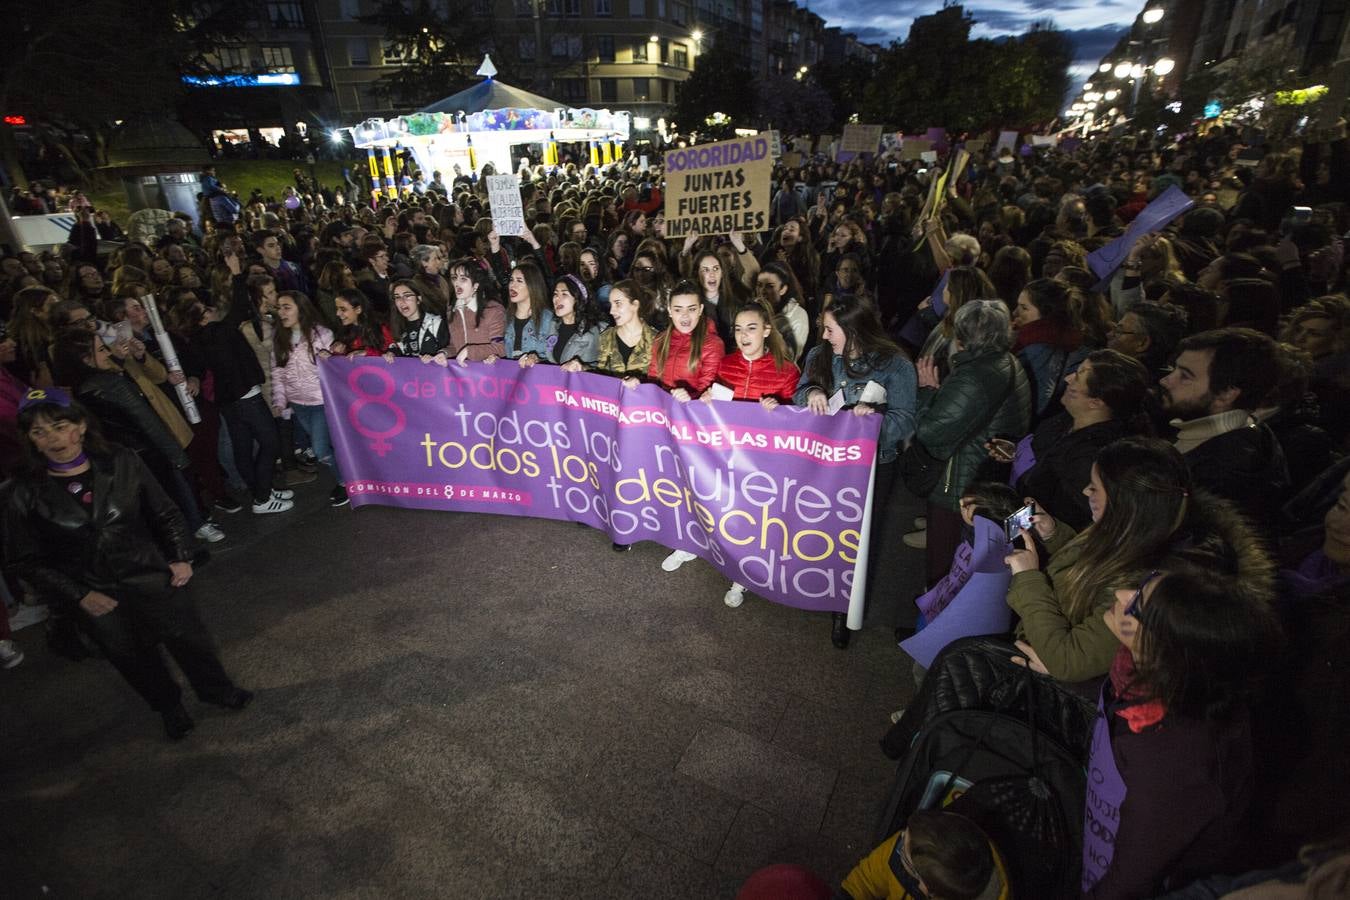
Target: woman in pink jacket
point(298, 343)
point(477, 320)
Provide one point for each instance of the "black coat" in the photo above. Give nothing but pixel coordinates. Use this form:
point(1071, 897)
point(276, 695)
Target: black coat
point(123, 548)
point(127, 417)
point(1246, 466)
point(1064, 461)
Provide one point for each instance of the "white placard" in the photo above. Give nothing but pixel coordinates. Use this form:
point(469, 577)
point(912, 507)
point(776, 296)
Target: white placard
point(720, 391)
point(170, 358)
point(508, 213)
point(642, 163)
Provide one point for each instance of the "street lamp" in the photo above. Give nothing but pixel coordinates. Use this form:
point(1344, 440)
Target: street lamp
point(654, 39)
point(1164, 66)
point(1111, 94)
point(696, 34)
point(1087, 86)
point(1104, 67)
point(1153, 15)
point(1137, 71)
point(1122, 69)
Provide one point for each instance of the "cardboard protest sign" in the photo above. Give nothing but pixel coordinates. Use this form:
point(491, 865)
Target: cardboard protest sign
point(1044, 140)
point(975, 146)
point(860, 139)
point(508, 213)
point(718, 188)
point(928, 156)
point(792, 159)
point(1006, 139)
point(823, 143)
point(914, 148)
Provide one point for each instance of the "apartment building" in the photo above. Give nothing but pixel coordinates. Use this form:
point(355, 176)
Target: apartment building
point(316, 62)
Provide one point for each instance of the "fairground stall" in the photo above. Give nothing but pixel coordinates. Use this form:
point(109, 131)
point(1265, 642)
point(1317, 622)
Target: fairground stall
point(491, 123)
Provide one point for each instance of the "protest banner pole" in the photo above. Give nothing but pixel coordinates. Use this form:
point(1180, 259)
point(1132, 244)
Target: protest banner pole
point(858, 593)
point(170, 359)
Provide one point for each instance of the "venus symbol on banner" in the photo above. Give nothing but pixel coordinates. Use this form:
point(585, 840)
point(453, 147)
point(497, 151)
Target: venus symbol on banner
point(379, 440)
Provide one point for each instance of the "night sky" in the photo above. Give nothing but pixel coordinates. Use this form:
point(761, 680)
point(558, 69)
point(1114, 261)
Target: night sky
point(1093, 25)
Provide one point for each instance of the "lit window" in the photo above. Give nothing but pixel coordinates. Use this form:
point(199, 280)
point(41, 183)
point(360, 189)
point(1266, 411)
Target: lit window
point(278, 59)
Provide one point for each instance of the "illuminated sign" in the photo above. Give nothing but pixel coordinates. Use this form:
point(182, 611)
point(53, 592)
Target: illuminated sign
point(1212, 109)
point(267, 79)
point(15, 120)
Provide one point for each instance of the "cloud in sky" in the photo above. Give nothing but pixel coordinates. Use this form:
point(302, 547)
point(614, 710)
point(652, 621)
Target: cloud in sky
point(1092, 25)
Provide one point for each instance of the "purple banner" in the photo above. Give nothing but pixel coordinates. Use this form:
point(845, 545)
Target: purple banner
point(971, 600)
point(1024, 459)
point(773, 499)
point(1105, 796)
point(1164, 208)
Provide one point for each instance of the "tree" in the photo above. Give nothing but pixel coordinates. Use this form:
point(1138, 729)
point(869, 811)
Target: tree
point(441, 43)
point(792, 105)
point(80, 67)
point(719, 84)
point(846, 84)
point(939, 77)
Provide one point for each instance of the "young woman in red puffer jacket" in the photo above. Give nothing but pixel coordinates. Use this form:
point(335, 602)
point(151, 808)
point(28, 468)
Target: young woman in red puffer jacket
point(761, 368)
point(687, 355)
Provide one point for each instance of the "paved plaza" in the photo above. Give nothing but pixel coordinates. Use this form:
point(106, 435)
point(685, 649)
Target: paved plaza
point(455, 705)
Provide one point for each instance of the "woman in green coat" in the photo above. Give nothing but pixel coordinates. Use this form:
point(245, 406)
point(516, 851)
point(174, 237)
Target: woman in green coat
point(1143, 509)
point(985, 395)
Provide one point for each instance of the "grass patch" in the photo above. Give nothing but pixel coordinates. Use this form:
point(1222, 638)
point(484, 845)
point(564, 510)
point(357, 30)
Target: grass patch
point(239, 175)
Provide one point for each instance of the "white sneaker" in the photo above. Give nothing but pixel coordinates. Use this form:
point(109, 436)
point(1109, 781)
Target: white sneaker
point(677, 559)
point(23, 615)
point(273, 504)
point(921, 523)
point(282, 494)
point(916, 539)
point(10, 655)
point(735, 595)
point(210, 533)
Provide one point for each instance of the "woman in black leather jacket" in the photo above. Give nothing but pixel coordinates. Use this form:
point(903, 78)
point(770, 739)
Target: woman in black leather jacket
point(88, 526)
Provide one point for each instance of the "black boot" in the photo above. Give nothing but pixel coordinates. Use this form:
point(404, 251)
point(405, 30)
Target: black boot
point(839, 633)
point(177, 722)
point(619, 548)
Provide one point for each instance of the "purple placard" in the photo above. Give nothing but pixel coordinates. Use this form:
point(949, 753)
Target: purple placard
point(1164, 208)
point(980, 606)
point(939, 306)
point(1023, 459)
point(939, 138)
point(773, 499)
point(1101, 810)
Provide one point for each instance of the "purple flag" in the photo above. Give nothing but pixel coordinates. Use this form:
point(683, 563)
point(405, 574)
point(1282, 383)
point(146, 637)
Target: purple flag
point(979, 606)
point(1164, 208)
point(939, 305)
point(1106, 792)
point(773, 499)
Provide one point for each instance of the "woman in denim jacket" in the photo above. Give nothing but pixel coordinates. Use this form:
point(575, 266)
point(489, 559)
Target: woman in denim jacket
point(853, 351)
point(529, 320)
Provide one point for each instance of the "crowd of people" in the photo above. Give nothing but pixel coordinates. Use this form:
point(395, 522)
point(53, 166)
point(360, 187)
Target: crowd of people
point(1179, 423)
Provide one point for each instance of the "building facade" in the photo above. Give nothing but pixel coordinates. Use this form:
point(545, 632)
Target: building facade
point(318, 63)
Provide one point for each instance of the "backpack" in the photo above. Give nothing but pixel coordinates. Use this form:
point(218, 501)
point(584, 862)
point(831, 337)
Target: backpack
point(1021, 786)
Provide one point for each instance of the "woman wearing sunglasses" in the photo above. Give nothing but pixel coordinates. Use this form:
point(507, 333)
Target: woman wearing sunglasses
point(1171, 766)
point(1143, 508)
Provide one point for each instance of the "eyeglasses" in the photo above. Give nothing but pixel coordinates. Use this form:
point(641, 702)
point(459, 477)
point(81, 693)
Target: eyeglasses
point(1136, 602)
point(405, 296)
point(644, 268)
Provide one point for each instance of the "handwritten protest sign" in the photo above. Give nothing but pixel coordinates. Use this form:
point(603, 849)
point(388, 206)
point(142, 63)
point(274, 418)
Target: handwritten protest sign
point(970, 600)
point(508, 213)
point(718, 188)
point(860, 139)
point(775, 143)
point(1164, 208)
point(774, 499)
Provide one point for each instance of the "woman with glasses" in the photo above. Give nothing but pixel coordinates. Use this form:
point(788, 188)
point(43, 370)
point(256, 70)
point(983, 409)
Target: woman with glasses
point(1143, 507)
point(1171, 764)
point(938, 854)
